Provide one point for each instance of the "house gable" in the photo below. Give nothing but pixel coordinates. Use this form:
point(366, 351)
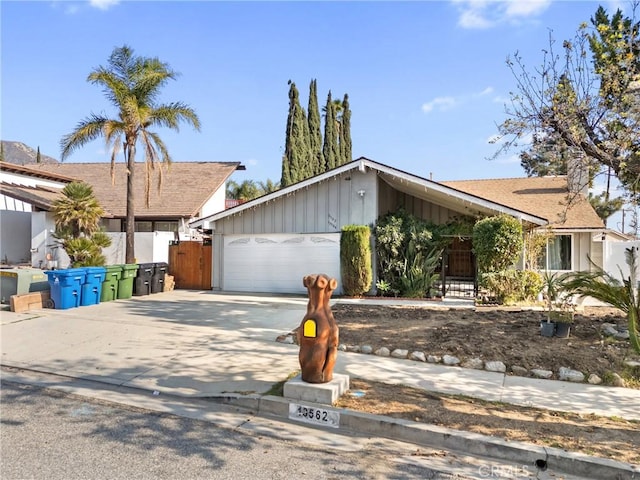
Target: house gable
point(357, 198)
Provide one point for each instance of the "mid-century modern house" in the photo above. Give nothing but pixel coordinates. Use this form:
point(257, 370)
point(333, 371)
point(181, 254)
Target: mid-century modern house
point(268, 244)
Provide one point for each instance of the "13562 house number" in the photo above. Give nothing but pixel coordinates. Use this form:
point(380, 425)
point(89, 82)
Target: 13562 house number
point(317, 416)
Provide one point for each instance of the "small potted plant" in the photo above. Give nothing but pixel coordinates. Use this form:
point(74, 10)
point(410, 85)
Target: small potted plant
point(560, 307)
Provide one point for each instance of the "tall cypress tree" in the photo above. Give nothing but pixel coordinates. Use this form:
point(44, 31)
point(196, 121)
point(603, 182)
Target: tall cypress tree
point(330, 146)
point(295, 162)
point(38, 158)
point(316, 158)
point(345, 132)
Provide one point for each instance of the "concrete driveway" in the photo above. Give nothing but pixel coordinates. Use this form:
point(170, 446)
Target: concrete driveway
point(183, 342)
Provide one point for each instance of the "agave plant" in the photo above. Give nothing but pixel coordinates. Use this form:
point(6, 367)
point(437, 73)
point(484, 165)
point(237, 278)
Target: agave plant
point(619, 293)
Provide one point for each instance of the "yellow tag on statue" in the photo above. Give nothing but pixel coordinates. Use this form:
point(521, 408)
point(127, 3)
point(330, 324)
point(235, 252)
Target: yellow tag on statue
point(309, 329)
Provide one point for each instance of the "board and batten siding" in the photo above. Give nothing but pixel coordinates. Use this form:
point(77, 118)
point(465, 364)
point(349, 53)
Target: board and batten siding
point(323, 207)
point(391, 199)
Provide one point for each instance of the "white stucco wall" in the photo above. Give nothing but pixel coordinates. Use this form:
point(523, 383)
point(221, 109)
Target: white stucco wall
point(150, 247)
point(215, 203)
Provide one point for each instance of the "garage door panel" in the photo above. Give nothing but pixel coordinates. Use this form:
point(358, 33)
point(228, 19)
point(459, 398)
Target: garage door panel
point(277, 263)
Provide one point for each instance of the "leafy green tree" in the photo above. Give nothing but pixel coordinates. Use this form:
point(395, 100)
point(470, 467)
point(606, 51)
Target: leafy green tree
point(132, 84)
point(316, 159)
point(38, 158)
point(620, 292)
point(497, 243)
point(295, 163)
point(246, 190)
point(268, 186)
point(77, 217)
point(605, 207)
point(330, 147)
point(250, 189)
point(345, 132)
point(587, 97)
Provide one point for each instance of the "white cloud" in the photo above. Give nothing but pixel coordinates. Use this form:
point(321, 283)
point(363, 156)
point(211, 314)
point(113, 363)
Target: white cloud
point(483, 14)
point(440, 103)
point(103, 4)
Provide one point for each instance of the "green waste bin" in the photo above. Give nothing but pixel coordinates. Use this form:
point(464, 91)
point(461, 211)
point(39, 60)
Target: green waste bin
point(110, 284)
point(125, 284)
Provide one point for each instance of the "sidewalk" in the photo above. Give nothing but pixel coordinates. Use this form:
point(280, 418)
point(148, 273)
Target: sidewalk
point(194, 343)
point(205, 344)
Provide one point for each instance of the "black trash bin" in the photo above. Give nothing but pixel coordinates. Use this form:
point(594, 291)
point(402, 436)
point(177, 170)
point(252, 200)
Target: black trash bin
point(157, 281)
point(142, 283)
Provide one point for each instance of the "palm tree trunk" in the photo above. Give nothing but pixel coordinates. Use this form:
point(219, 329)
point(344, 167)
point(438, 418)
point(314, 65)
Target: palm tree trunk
point(130, 256)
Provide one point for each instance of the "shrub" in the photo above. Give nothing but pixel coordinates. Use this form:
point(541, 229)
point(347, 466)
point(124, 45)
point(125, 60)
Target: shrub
point(355, 259)
point(497, 243)
point(408, 254)
point(512, 286)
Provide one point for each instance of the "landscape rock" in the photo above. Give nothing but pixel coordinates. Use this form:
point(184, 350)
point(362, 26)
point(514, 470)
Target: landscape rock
point(568, 374)
point(450, 360)
point(632, 363)
point(518, 370)
point(594, 379)
point(353, 348)
point(610, 329)
point(495, 366)
point(622, 335)
point(618, 381)
point(539, 373)
point(475, 363)
point(400, 353)
point(382, 352)
point(434, 359)
point(418, 356)
point(366, 349)
point(342, 347)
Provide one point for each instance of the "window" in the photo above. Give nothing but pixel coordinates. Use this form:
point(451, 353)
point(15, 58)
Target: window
point(144, 226)
point(558, 254)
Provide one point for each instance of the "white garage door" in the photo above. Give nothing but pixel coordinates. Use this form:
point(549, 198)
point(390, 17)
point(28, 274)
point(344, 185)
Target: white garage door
point(278, 262)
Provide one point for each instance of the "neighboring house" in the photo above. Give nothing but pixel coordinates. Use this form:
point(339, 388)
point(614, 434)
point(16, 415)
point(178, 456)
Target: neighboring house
point(25, 197)
point(268, 244)
point(187, 190)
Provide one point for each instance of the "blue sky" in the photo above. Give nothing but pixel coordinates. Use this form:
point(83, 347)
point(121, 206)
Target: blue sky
point(427, 81)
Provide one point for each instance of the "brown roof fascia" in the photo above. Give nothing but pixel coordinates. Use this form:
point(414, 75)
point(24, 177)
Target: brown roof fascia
point(14, 168)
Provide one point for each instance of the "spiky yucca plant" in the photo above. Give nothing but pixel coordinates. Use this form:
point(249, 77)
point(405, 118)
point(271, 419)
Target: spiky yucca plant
point(621, 294)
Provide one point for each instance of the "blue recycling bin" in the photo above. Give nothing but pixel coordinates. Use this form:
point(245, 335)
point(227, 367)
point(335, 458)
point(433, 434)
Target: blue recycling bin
point(66, 287)
point(92, 287)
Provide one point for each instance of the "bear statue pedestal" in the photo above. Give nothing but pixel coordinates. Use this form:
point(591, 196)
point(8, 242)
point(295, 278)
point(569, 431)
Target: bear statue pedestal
point(325, 393)
point(318, 339)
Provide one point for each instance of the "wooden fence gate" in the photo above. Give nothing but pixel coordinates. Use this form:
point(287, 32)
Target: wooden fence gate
point(190, 265)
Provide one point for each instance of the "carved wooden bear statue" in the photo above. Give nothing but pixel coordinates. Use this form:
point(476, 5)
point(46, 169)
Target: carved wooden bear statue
point(318, 332)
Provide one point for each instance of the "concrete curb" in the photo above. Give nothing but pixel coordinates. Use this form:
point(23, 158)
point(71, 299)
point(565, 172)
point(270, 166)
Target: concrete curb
point(519, 453)
point(440, 437)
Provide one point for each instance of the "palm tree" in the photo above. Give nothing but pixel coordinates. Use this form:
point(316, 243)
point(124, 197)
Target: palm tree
point(132, 84)
point(77, 211)
point(609, 289)
point(77, 216)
